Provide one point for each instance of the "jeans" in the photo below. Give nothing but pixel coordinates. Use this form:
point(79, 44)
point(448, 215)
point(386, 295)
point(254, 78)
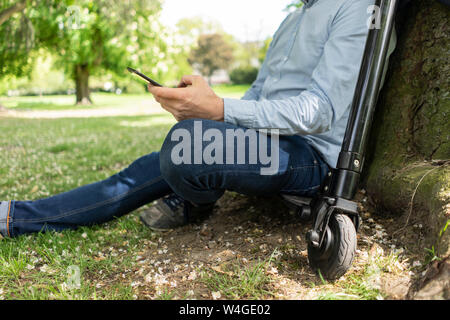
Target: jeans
point(301, 171)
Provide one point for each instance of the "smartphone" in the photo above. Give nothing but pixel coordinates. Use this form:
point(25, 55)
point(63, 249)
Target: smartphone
point(143, 76)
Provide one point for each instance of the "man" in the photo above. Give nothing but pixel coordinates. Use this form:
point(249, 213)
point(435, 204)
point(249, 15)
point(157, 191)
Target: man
point(303, 91)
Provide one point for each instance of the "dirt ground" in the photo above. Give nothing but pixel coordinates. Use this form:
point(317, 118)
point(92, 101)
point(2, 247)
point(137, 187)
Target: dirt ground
point(245, 230)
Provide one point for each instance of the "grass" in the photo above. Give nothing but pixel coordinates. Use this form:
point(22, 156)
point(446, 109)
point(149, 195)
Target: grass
point(64, 102)
point(364, 284)
point(101, 100)
point(39, 158)
point(42, 157)
point(231, 91)
point(240, 282)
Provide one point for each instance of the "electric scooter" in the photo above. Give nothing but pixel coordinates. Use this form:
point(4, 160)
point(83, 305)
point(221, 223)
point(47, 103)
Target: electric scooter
point(332, 239)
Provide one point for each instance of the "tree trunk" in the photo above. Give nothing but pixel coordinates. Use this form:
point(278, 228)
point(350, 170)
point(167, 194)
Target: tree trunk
point(408, 166)
point(7, 13)
point(82, 84)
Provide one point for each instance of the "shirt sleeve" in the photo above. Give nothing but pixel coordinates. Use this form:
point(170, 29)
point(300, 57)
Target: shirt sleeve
point(331, 89)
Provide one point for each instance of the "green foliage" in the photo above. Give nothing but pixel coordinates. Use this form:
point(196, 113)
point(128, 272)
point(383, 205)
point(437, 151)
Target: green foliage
point(263, 50)
point(245, 53)
point(18, 37)
point(248, 57)
point(104, 37)
point(109, 35)
point(431, 256)
point(294, 4)
point(42, 78)
point(244, 75)
point(212, 53)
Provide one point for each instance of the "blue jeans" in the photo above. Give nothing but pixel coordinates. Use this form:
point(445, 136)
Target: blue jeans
point(301, 171)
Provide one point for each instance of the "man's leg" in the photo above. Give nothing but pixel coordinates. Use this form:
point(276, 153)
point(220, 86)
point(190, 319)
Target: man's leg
point(299, 169)
point(137, 185)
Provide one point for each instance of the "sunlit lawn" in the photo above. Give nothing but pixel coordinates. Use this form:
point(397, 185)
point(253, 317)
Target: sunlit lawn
point(232, 91)
point(43, 157)
point(100, 100)
point(60, 102)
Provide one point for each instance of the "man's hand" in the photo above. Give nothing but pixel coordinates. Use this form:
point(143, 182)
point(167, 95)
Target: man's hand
point(193, 99)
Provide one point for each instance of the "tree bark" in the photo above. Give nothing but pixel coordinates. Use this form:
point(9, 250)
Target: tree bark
point(82, 84)
point(7, 13)
point(408, 162)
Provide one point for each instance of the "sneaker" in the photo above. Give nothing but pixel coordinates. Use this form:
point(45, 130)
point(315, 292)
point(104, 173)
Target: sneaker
point(173, 212)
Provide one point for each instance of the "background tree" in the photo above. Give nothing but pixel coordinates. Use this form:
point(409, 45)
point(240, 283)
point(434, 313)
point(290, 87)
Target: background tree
point(17, 38)
point(190, 29)
point(249, 57)
point(263, 50)
point(244, 75)
point(294, 5)
point(94, 37)
point(211, 54)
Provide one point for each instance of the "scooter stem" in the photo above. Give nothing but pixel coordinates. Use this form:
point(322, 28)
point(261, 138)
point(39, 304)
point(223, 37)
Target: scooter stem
point(345, 179)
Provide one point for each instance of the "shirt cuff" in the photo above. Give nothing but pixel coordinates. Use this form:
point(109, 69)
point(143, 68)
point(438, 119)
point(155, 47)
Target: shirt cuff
point(239, 112)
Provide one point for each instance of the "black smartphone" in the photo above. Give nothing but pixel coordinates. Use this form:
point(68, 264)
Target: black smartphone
point(143, 76)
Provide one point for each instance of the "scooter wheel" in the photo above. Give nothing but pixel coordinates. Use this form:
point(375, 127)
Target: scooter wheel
point(335, 256)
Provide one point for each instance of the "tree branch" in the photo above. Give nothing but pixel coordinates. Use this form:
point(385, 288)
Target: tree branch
point(7, 13)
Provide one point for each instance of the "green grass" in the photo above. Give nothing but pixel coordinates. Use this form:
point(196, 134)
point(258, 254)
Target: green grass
point(63, 102)
point(39, 158)
point(231, 91)
point(101, 100)
point(237, 281)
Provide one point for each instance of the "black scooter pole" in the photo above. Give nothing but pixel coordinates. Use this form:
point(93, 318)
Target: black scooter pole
point(340, 187)
point(345, 179)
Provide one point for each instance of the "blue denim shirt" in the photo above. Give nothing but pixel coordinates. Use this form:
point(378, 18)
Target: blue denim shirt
point(307, 82)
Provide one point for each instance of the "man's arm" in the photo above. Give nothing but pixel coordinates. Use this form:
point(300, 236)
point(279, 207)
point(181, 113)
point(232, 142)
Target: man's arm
point(330, 92)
